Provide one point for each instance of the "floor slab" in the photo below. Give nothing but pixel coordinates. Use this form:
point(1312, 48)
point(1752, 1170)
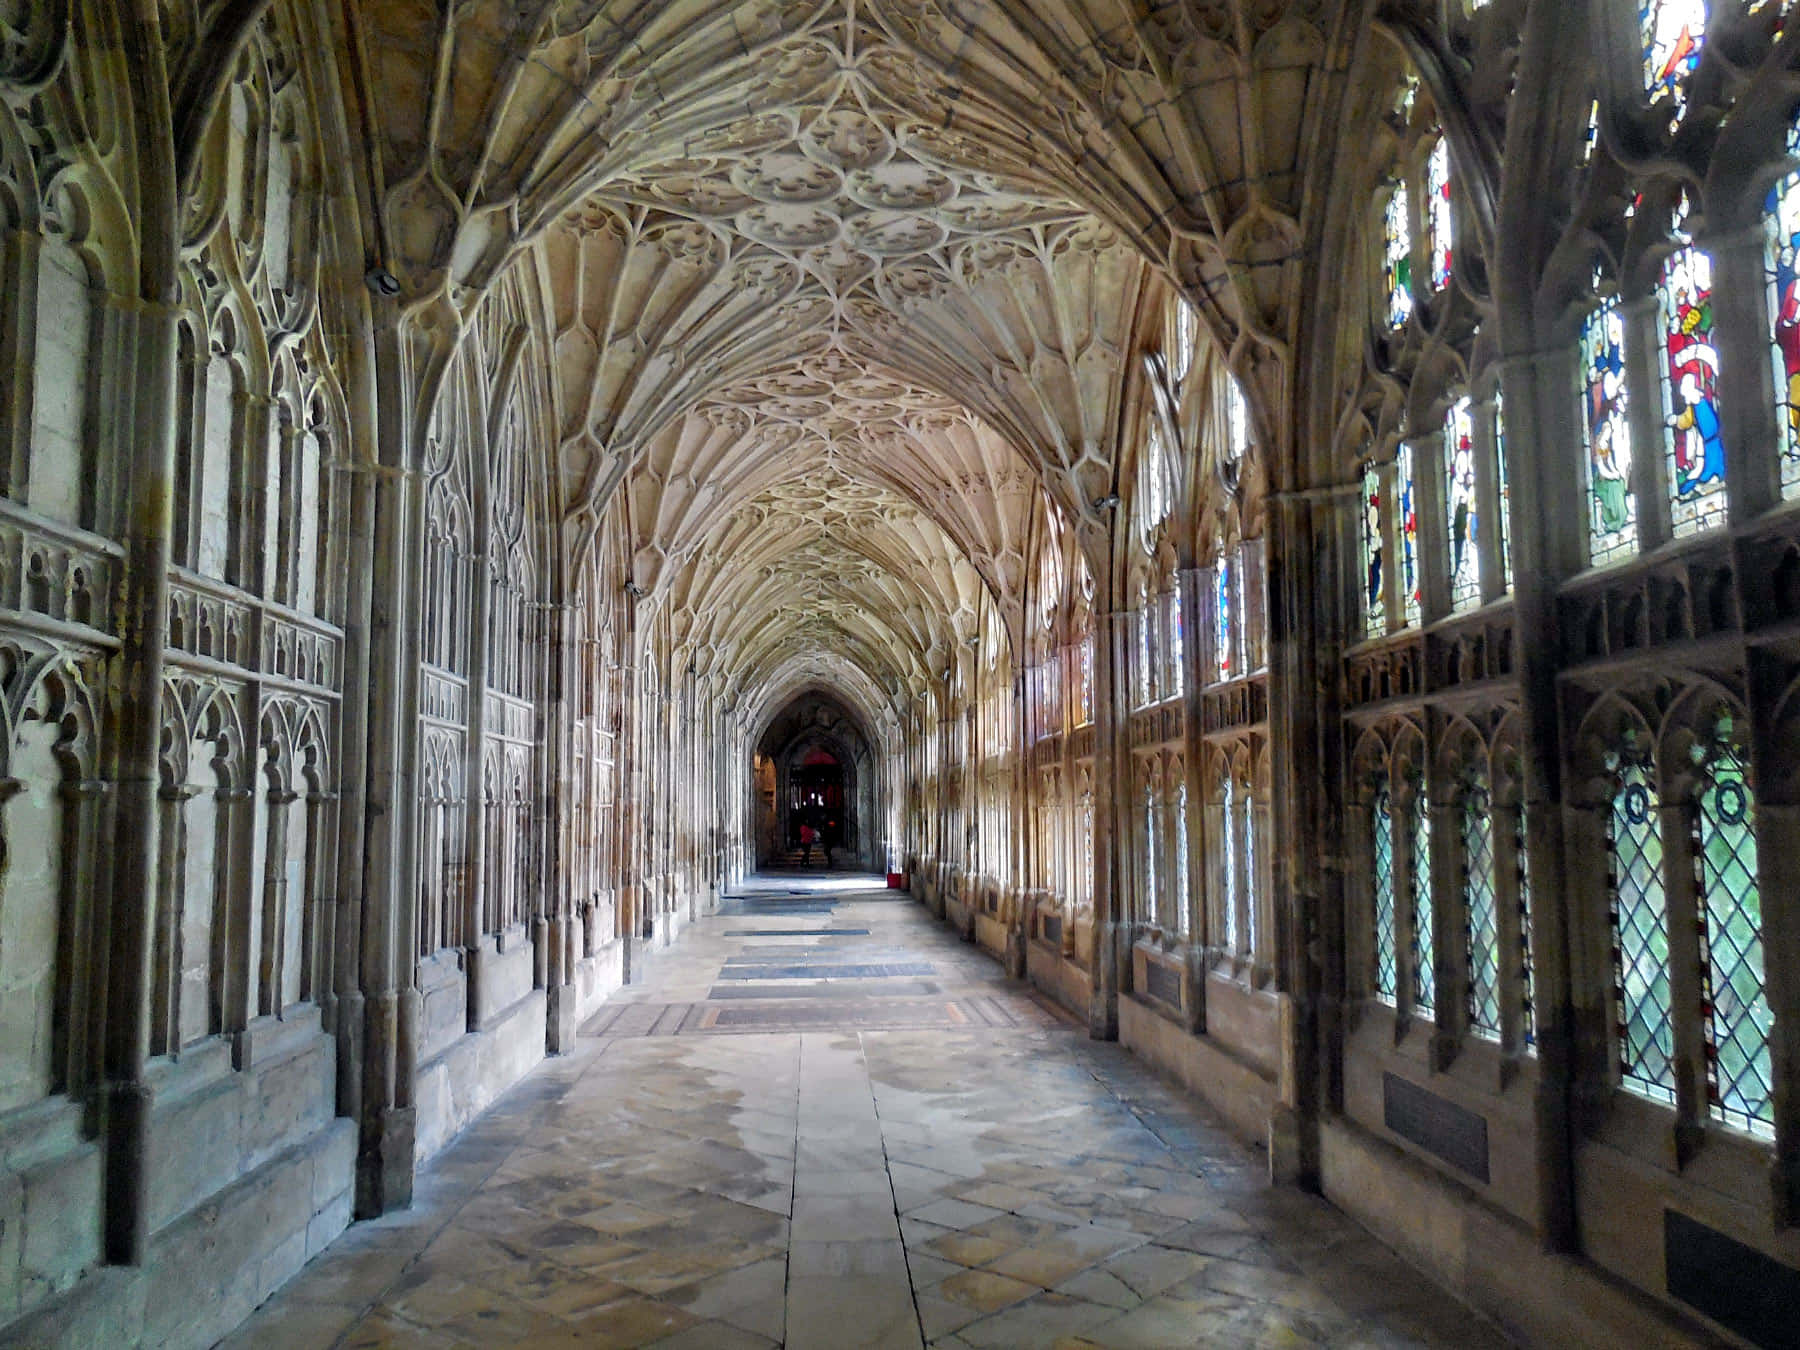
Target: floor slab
point(863, 1162)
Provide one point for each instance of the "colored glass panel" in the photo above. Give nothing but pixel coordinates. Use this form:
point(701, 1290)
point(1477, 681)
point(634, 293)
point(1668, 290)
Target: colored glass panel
point(1739, 1021)
point(1437, 205)
point(1374, 551)
point(1606, 431)
point(1225, 615)
point(1409, 532)
point(1646, 1038)
point(1673, 32)
point(1481, 908)
point(1424, 946)
point(1692, 440)
point(1381, 821)
point(1461, 506)
point(1397, 235)
point(1783, 268)
point(1505, 521)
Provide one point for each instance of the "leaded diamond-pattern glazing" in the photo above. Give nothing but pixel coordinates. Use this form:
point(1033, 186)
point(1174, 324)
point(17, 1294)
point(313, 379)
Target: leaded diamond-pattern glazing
point(1527, 1010)
point(1481, 908)
point(1640, 935)
point(1381, 818)
point(1740, 1019)
point(1424, 955)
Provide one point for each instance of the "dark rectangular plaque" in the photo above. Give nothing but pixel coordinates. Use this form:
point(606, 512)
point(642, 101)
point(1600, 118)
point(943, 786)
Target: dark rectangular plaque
point(1737, 1286)
point(1051, 927)
point(1162, 983)
point(1436, 1124)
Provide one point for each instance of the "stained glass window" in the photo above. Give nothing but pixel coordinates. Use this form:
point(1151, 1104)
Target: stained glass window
point(1481, 907)
point(1374, 549)
point(1381, 823)
point(1409, 532)
point(1237, 419)
point(1146, 655)
point(1505, 521)
point(1180, 901)
point(1612, 519)
point(1229, 822)
point(1177, 667)
point(1673, 31)
point(1740, 1075)
point(1695, 449)
point(1153, 901)
point(1528, 1019)
point(1640, 934)
point(1085, 671)
point(1460, 507)
point(1251, 886)
point(1424, 955)
point(1224, 614)
point(1784, 316)
point(1437, 206)
point(1397, 236)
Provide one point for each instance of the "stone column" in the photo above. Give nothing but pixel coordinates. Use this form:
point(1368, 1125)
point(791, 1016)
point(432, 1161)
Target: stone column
point(1110, 816)
point(146, 428)
point(1191, 584)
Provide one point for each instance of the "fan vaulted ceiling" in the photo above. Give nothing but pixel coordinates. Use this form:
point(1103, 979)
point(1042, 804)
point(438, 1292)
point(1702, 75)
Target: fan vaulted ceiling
point(843, 290)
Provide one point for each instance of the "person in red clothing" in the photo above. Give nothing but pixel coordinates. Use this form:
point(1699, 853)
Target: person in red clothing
point(808, 836)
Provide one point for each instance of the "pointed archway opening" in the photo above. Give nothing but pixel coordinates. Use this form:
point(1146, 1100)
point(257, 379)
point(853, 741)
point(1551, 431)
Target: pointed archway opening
point(814, 769)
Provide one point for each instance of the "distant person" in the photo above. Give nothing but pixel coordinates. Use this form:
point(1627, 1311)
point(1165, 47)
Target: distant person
point(808, 836)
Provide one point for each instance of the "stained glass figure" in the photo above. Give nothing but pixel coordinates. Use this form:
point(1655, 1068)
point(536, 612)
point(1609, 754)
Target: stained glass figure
point(1640, 934)
point(1374, 551)
point(1695, 448)
point(1673, 32)
point(1409, 532)
point(1612, 522)
point(1225, 614)
point(1480, 906)
point(1397, 234)
point(1783, 269)
point(1740, 1074)
point(1437, 206)
point(1229, 823)
point(1461, 510)
point(1381, 822)
point(1424, 947)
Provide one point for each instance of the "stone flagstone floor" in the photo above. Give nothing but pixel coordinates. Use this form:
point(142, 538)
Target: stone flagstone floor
point(821, 1120)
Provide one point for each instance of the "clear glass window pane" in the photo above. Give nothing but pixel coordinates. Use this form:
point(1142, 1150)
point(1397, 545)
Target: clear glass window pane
point(1640, 935)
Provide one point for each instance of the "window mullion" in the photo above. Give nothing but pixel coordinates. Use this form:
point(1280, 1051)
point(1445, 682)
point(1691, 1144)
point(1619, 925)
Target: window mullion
point(1686, 955)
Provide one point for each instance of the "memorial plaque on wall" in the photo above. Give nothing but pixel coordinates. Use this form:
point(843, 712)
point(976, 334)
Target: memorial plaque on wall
point(1737, 1286)
point(1436, 1124)
point(1162, 983)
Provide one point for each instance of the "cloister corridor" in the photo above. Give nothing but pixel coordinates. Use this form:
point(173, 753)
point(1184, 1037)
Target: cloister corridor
point(821, 1120)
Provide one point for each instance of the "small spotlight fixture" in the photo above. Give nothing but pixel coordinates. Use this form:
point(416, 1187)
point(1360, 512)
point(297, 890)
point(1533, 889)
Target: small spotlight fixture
point(634, 590)
point(1110, 502)
point(382, 282)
